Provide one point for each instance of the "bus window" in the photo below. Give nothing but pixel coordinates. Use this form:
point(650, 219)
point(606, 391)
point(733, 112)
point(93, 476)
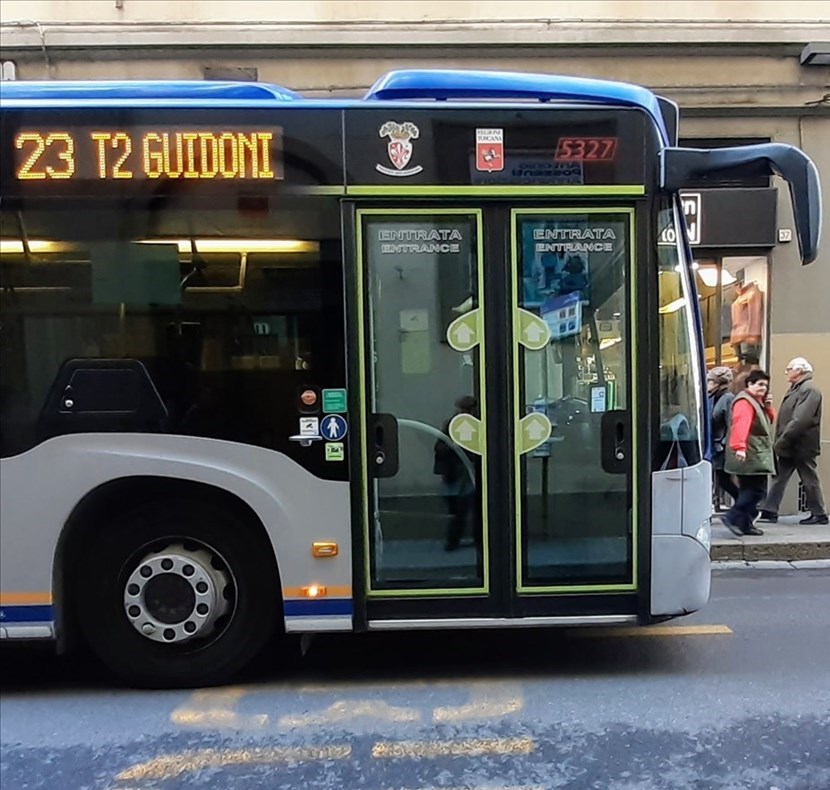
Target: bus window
point(681, 405)
point(230, 313)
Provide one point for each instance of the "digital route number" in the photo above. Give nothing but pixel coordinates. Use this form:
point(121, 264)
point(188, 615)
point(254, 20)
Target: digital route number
point(164, 153)
point(586, 149)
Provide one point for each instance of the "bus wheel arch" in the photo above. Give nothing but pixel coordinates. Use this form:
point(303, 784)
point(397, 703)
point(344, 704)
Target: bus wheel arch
point(122, 515)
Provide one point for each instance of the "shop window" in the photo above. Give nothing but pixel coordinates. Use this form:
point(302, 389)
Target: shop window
point(734, 310)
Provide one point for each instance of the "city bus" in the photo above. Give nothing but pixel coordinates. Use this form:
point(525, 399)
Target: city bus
point(275, 365)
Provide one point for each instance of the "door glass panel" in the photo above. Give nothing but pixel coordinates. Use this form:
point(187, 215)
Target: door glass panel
point(573, 489)
point(426, 333)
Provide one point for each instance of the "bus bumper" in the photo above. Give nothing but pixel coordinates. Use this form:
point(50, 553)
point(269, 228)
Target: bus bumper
point(680, 539)
point(680, 575)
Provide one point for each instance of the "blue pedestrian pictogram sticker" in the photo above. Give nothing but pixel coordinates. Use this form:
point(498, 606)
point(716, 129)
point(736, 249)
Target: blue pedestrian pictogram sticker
point(333, 428)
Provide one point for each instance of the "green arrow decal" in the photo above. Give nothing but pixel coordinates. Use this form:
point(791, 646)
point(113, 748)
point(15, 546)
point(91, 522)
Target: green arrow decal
point(534, 430)
point(534, 333)
point(467, 432)
point(463, 333)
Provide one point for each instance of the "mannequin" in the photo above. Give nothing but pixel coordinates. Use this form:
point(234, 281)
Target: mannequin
point(747, 322)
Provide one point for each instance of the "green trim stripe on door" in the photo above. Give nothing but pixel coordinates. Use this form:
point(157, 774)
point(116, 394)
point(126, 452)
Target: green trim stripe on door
point(517, 454)
point(496, 190)
point(364, 402)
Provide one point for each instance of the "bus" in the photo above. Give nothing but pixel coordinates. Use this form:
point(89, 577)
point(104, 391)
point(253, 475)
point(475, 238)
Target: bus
point(274, 365)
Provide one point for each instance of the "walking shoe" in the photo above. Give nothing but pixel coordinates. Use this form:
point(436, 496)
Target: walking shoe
point(753, 531)
point(768, 517)
point(731, 525)
point(815, 520)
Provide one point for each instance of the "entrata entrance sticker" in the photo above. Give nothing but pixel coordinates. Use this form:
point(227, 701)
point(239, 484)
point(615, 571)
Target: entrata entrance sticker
point(432, 246)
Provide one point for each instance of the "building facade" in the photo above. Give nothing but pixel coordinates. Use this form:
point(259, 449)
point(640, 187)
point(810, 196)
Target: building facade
point(740, 71)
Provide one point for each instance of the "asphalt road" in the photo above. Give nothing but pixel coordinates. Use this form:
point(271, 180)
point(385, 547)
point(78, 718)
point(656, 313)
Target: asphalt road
point(737, 696)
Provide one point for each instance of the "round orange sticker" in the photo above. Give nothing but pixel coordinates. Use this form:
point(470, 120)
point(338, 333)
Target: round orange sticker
point(309, 397)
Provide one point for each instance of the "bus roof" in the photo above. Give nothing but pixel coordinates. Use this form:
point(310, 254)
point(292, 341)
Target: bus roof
point(113, 90)
point(401, 86)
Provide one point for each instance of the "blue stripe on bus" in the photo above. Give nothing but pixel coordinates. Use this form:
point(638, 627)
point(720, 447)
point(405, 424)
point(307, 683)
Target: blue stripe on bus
point(26, 614)
point(318, 606)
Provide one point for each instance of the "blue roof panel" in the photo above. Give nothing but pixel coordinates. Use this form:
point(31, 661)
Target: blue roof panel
point(147, 89)
point(445, 84)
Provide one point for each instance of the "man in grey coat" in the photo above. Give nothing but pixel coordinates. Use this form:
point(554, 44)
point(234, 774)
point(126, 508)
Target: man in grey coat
point(797, 444)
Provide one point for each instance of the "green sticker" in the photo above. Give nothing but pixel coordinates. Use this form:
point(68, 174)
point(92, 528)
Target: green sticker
point(534, 430)
point(534, 333)
point(463, 333)
point(334, 401)
point(465, 430)
point(335, 451)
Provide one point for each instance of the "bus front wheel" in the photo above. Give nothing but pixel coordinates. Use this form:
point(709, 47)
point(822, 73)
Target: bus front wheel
point(178, 593)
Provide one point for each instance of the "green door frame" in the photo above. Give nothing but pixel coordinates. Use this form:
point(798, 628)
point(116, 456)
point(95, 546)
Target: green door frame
point(367, 496)
point(507, 195)
point(522, 589)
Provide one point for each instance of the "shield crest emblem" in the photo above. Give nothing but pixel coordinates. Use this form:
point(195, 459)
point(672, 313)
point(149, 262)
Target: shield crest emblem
point(399, 148)
point(400, 152)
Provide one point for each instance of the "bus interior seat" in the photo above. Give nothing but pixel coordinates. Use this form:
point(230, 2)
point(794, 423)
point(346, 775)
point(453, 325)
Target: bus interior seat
point(102, 395)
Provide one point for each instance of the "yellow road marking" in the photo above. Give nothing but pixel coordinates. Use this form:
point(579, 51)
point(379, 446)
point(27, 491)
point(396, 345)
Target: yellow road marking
point(348, 710)
point(475, 747)
point(658, 630)
point(172, 765)
point(214, 708)
point(487, 701)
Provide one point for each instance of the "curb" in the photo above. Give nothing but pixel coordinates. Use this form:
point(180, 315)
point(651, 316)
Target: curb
point(781, 552)
point(771, 565)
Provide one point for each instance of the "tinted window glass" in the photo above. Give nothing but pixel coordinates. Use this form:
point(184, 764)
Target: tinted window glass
point(231, 313)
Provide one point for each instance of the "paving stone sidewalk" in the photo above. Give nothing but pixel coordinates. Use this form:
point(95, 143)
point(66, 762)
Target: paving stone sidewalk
point(786, 541)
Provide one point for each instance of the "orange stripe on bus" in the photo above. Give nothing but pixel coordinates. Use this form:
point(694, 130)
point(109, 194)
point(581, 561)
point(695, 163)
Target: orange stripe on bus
point(39, 598)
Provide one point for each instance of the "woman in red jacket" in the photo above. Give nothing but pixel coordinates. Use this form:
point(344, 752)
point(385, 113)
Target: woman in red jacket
point(749, 454)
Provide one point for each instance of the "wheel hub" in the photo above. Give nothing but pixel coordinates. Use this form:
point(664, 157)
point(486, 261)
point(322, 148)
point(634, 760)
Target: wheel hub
point(176, 595)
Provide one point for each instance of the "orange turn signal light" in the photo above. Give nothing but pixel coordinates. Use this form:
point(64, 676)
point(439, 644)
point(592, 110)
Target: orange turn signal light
point(314, 591)
point(324, 549)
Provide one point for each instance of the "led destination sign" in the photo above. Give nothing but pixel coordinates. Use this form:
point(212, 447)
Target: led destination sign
point(244, 153)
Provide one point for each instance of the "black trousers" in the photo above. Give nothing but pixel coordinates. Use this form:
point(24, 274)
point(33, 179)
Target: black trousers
point(460, 509)
point(726, 483)
point(807, 469)
point(751, 490)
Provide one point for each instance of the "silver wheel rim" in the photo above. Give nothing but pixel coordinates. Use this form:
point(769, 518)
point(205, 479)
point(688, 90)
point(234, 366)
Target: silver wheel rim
point(176, 595)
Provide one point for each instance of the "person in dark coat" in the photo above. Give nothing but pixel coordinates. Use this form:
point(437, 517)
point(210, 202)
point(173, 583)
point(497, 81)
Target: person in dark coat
point(749, 454)
point(720, 408)
point(459, 485)
point(797, 444)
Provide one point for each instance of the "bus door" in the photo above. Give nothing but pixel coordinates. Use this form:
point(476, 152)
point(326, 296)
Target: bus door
point(495, 454)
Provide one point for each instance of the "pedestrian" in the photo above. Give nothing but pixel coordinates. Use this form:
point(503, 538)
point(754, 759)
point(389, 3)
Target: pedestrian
point(718, 381)
point(749, 454)
point(797, 444)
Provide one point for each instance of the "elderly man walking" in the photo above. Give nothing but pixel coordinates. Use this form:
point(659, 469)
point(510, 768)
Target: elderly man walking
point(797, 444)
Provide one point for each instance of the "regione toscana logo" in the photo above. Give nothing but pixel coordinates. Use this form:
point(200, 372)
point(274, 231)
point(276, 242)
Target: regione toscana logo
point(399, 148)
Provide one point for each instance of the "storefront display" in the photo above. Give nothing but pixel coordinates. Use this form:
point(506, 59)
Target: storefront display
point(734, 311)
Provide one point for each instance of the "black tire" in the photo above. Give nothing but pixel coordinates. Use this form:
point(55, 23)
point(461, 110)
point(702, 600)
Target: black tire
point(236, 640)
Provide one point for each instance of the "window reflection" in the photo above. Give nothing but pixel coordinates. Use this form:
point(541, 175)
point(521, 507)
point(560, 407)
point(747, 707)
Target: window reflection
point(427, 521)
point(226, 316)
point(575, 515)
point(680, 377)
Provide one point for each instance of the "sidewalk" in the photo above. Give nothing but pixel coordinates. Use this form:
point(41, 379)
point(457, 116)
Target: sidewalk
point(785, 541)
